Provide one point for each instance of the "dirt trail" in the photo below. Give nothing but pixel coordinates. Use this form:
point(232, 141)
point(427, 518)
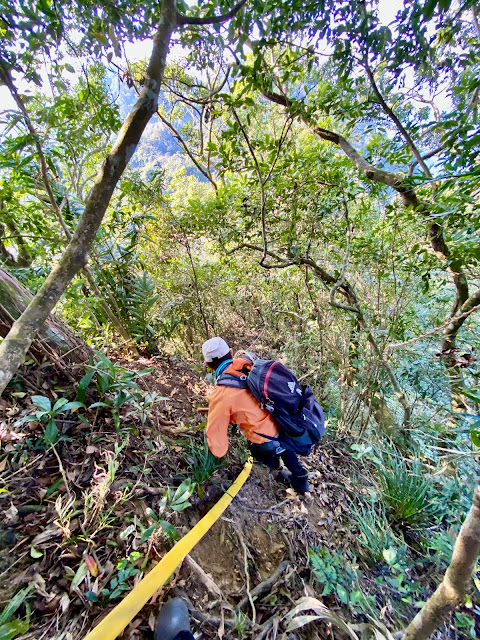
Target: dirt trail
point(59, 506)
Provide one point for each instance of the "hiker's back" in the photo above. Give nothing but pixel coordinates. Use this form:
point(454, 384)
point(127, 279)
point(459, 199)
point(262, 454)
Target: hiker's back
point(297, 414)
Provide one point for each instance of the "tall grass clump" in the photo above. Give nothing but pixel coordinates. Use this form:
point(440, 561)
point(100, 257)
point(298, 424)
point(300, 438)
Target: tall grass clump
point(201, 462)
point(375, 534)
point(406, 491)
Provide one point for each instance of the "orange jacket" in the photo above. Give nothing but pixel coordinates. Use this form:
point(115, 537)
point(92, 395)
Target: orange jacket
point(228, 405)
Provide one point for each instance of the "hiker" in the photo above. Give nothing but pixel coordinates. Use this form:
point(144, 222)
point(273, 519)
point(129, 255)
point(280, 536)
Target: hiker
point(231, 405)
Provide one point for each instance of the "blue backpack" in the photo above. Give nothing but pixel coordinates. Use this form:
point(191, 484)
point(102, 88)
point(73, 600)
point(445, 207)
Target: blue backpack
point(298, 415)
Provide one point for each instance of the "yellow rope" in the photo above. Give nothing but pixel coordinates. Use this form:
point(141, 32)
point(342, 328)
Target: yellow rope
point(115, 622)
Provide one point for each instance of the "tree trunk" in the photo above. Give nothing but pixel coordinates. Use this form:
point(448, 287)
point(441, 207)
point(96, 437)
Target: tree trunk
point(55, 335)
point(454, 587)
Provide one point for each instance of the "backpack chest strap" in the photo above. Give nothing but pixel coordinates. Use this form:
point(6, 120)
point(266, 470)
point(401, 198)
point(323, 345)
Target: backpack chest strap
point(230, 380)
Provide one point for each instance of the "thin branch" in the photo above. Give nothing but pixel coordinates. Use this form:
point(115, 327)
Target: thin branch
point(340, 283)
point(205, 99)
point(22, 235)
point(184, 146)
point(193, 20)
point(428, 155)
point(460, 318)
point(392, 115)
point(281, 264)
point(283, 136)
point(195, 283)
point(261, 183)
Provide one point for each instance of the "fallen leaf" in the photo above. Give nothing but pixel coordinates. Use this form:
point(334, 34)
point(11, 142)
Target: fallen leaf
point(47, 534)
point(64, 602)
point(79, 576)
point(151, 621)
point(92, 566)
point(11, 514)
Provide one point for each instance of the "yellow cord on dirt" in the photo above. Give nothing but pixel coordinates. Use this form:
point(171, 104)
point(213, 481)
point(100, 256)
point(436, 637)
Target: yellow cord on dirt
point(116, 621)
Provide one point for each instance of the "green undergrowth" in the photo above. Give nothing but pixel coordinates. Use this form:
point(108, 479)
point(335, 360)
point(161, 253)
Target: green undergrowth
point(142, 488)
point(404, 530)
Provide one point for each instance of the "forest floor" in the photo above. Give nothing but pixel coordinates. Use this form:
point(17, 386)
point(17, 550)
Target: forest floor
point(84, 519)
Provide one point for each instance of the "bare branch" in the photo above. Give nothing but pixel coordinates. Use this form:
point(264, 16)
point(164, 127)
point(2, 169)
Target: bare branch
point(340, 283)
point(184, 146)
point(458, 320)
point(192, 20)
point(261, 184)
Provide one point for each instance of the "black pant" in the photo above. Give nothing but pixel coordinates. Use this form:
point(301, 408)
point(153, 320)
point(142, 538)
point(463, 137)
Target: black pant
point(184, 635)
point(270, 453)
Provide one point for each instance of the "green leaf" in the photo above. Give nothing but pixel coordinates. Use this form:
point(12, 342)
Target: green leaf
point(181, 506)
point(59, 403)
point(79, 576)
point(390, 555)
point(91, 596)
point(42, 403)
point(17, 600)
point(169, 530)
point(51, 432)
point(475, 437)
point(13, 628)
point(35, 553)
point(148, 532)
point(183, 492)
point(73, 405)
point(342, 593)
point(151, 513)
point(83, 385)
point(53, 488)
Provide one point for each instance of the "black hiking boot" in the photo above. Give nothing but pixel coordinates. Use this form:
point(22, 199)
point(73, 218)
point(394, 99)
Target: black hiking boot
point(173, 622)
point(284, 477)
point(300, 484)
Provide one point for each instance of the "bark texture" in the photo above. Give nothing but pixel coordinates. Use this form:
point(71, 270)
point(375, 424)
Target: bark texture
point(454, 587)
point(55, 335)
